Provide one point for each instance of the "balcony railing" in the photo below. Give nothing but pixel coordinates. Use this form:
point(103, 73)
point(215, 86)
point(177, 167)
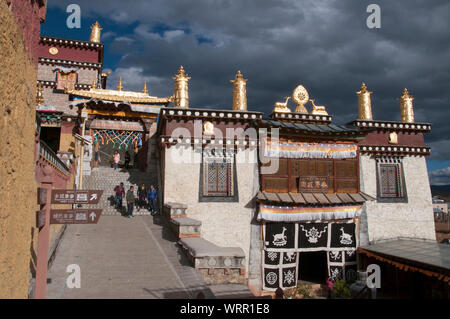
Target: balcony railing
point(48, 155)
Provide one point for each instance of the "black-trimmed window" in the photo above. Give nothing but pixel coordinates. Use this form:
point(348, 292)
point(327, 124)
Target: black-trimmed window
point(390, 178)
point(218, 174)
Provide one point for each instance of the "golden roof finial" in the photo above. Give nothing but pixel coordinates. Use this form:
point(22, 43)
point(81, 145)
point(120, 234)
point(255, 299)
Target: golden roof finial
point(120, 86)
point(39, 95)
point(145, 88)
point(406, 107)
point(239, 92)
point(94, 84)
point(95, 33)
point(181, 89)
point(363, 87)
point(364, 103)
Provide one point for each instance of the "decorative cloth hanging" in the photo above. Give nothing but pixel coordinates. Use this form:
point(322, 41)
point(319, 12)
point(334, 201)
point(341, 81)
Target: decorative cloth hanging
point(298, 213)
point(276, 148)
point(285, 243)
point(120, 139)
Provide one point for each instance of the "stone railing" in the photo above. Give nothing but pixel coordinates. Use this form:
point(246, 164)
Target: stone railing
point(50, 157)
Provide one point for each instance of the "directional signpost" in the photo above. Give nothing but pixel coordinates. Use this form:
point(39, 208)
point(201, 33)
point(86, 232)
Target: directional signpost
point(72, 196)
point(75, 216)
point(47, 216)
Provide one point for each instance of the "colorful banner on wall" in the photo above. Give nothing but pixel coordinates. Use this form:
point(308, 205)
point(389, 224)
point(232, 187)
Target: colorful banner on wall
point(281, 149)
point(298, 213)
point(286, 243)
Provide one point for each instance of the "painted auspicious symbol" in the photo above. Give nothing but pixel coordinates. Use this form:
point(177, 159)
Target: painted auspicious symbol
point(208, 128)
point(335, 255)
point(289, 257)
point(346, 239)
point(335, 273)
point(271, 278)
point(289, 277)
point(280, 239)
point(272, 255)
point(53, 50)
point(393, 139)
point(313, 234)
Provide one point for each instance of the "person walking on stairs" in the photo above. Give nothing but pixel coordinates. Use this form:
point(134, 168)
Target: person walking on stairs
point(152, 195)
point(120, 193)
point(130, 201)
point(141, 196)
point(116, 158)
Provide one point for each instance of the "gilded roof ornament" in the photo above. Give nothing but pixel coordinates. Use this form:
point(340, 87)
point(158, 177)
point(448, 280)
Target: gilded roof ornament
point(181, 89)
point(300, 96)
point(281, 107)
point(239, 92)
point(318, 109)
point(120, 86)
point(95, 33)
point(406, 107)
point(364, 103)
point(145, 88)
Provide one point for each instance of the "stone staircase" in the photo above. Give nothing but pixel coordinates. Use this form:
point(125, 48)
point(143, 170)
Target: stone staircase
point(217, 265)
point(106, 178)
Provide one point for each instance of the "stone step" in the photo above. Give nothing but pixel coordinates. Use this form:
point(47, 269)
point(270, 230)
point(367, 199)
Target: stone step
point(217, 265)
point(184, 227)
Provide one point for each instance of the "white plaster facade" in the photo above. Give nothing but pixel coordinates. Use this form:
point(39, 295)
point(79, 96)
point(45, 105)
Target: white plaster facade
point(225, 224)
point(413, 219)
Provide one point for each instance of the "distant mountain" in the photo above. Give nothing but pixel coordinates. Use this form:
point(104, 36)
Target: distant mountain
point(443, 191)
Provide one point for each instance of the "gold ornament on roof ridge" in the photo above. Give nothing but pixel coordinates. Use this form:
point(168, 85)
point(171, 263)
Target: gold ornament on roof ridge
point(120, 86)
point(300, 96)
point(95, 33)
point(318, 109)
point(94, 84)
point(281, 107)
point(181, 89)
point(239, 92)
point(364, 103)
point(406, 107)
point(145, 88)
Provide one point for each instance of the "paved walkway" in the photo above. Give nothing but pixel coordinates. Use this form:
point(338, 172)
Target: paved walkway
point(124, 258)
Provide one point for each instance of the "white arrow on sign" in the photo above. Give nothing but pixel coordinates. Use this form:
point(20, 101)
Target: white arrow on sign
point(93, 215)
point(93, 196)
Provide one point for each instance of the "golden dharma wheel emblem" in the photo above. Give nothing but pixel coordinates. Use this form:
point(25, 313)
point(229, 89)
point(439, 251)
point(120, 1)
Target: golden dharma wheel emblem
point(53, 50)
point(300, 96)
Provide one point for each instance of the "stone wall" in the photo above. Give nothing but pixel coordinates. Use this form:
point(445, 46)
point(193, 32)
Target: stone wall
point(413, 219)
point(17, 131)
point(225, 224)
point(46, 72)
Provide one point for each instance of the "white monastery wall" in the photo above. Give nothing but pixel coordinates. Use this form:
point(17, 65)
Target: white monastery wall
point(225, 224)
point(413, 219)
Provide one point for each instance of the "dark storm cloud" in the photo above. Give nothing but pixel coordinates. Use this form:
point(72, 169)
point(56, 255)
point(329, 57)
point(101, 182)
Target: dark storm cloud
point(324, 45)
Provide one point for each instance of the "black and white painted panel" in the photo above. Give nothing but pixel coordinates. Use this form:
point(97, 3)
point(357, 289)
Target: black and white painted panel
point(284, 241)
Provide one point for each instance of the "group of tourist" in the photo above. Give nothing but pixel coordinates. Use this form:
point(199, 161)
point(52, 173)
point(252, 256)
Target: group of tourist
point(145, 198)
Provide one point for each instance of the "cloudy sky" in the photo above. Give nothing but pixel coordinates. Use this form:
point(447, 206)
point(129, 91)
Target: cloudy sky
point(324, 45)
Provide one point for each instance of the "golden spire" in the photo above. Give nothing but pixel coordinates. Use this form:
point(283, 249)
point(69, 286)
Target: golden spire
point(364, 103)
point(181, 89)
point(145, 88)
point(239, 92)
point(406, 107)
point(95, 33)
point(120, 86)
point(94, 84)
point(39, 95)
